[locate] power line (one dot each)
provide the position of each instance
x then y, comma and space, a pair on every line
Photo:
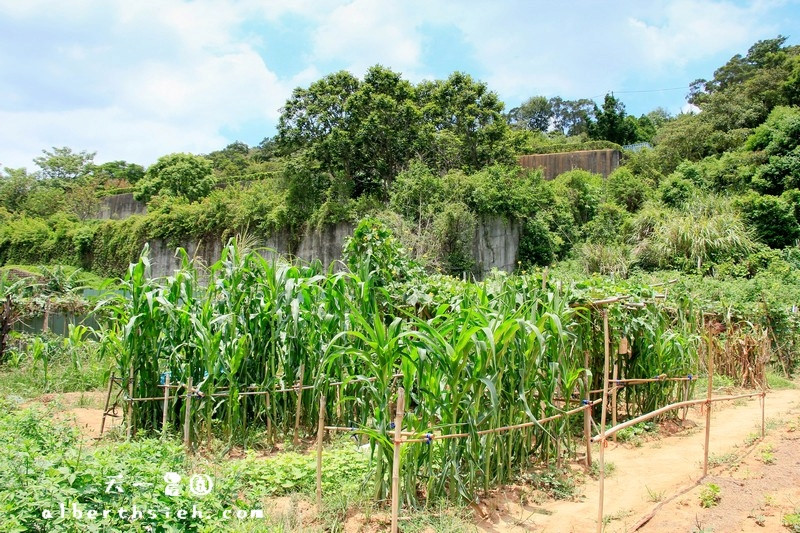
641, 91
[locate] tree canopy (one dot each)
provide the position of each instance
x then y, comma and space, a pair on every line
181, 175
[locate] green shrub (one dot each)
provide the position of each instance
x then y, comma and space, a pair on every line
627, 190
536, 243
676, 191
455, 229
771, 219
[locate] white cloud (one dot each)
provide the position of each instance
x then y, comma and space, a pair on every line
140, 79
691, 30
159, 77
365, 32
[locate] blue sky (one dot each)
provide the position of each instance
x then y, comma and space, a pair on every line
137, 79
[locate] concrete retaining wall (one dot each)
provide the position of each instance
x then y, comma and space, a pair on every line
495, 246
597, 161
120, 206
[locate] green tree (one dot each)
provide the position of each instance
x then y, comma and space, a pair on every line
533, 114
117, 173
744, 90
473, 114
368, 130
62, 165
610, 123
571, 117
15, 186
181, 175
233, 160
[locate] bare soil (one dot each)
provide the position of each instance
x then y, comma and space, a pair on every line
664, 478
84, 410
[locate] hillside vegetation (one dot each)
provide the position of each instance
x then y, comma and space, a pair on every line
715, 202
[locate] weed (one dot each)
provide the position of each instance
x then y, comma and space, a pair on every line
594, 470
715, 459
619, 515
751, 439
792, 521
634, 433
768, 455
655, 496
556, 484
710, 495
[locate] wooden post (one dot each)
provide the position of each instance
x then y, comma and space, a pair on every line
603, 423
339, 402
129, 429
299, 405
710, 367
187, 430
398, 424
763, 407
587, 413
108, 400
165, 414
614, 402
269, 418
320, 435
685, 397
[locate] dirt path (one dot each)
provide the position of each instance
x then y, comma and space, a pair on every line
84, 410
659, 469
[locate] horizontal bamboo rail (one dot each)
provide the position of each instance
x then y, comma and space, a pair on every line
428, 437
670, 407
295, 388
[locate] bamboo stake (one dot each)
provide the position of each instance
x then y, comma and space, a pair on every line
587, 414
320, 435
398, 423
603, 423
299, 405
187, 437
108, 400
614, 402
129, 429
708, 402
269, 418
685, 397
165, 414
339, 402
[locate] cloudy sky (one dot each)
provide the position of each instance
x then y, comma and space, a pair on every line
136, 79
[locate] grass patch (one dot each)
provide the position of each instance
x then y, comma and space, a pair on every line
634, 434
777, 382
44, 364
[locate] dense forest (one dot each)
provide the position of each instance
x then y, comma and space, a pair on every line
716, 197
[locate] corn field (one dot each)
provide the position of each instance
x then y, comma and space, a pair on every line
501, 352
